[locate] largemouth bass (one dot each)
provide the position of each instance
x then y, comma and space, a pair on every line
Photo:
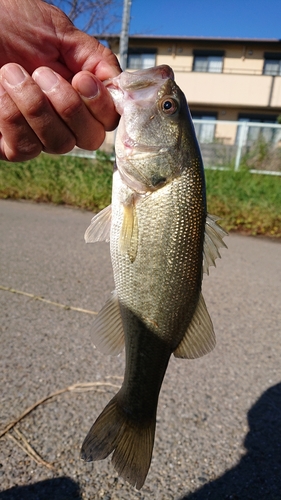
161, 240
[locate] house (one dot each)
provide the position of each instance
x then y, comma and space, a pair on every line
223, 79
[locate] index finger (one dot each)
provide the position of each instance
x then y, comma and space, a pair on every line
97, 99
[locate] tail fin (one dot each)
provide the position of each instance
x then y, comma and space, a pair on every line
131, 441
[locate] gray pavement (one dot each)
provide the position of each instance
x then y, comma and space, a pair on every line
219, 418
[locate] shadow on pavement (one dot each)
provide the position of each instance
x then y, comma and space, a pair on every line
258, 475
60, 488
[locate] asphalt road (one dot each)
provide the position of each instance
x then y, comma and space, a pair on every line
219, 418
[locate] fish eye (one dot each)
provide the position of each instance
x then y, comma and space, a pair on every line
169, 106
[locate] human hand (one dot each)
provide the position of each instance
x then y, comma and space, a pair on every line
44, 111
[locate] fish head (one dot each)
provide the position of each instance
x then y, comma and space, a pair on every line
154, 126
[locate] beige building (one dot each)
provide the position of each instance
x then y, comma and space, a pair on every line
223, 79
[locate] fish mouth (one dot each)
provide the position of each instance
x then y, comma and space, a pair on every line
136, 149
128, 84
140, 88
131, 80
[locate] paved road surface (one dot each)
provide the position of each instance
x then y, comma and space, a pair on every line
219, 417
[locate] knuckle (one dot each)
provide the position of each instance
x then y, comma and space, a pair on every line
21, 142
29, 148
93, 142
61, 146
74, 107
67, 146
10, 115
37, 108
24, 151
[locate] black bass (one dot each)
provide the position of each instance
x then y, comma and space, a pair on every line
161, 240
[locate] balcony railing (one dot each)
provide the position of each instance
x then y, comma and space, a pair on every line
226, 70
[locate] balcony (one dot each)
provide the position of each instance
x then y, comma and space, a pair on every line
228, 89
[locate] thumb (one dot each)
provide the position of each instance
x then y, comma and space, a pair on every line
84, 52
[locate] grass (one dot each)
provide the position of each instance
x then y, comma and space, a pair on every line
59, 179
246, 202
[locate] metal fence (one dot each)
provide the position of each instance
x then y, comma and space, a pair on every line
237, 144
233, 145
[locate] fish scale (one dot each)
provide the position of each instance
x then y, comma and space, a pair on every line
173, 273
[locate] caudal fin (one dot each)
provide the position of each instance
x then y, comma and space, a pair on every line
131, 441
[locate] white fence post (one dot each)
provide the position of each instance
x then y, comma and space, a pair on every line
241, 143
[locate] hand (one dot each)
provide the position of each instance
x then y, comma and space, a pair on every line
44, 111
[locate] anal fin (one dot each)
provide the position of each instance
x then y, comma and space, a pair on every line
199, 338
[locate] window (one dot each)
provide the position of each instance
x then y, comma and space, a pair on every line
209, 62
141, 59
205, 132
272, 67
272, 64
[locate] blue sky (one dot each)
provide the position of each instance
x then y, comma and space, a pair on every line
214, 18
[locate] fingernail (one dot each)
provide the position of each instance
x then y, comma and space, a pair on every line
87, 87
14, 74
45, 78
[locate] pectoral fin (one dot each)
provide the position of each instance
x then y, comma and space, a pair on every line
99, 229
199, 338
214, 235
108, 334
129, 231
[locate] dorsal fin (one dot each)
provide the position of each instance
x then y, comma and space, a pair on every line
199, 338
99, 229
213, 240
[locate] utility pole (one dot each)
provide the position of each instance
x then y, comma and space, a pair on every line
124, 35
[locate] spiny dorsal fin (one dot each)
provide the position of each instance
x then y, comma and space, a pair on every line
129, 231
214, 235
99, 229
199, 338
108, 334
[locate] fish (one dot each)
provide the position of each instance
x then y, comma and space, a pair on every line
161, 241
